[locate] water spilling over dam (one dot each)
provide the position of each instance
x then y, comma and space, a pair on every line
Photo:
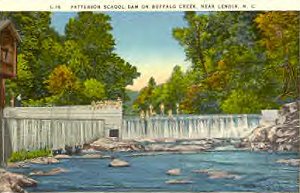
32, 134
32, 128
190, 126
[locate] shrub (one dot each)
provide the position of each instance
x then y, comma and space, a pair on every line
24, 155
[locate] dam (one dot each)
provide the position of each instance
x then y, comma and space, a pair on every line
31, 128
190, 126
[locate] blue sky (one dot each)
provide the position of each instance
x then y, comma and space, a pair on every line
145, 40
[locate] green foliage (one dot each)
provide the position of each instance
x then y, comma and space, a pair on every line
92, 34
94, 89
242, 62
86, 52
61, 80
169, 94
24, 155
280, 37
144, 99
244, 101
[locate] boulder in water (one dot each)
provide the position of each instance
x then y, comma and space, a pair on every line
179, 181
108, 144
44, 160
118, 163
174, 172
62, 156
18, 165
54, 171
14, 183
175, 148
186, 148
213, 174
92, 156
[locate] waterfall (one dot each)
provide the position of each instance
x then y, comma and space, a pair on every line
31, 134
190, 127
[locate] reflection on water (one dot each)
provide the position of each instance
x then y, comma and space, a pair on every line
258, 171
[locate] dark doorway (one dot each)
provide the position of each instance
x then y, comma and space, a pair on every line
114, 133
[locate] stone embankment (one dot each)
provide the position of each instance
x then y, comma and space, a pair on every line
281, 136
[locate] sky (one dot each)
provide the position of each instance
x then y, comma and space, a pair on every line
144, 39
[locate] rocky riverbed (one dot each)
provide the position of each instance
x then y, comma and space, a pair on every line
160, 145
281, 136
211, 170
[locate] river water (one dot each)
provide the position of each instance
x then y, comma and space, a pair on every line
258, 172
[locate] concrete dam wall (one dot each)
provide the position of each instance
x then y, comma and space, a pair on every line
30, 128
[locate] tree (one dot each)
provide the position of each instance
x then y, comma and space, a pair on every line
280, 36
231, 60
145, 97
87, 52
193, 38
92, 34
23, 83
39, 48
93, 89
62, 81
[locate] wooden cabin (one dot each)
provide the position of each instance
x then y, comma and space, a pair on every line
9, 38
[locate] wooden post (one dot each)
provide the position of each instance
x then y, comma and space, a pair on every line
2, 133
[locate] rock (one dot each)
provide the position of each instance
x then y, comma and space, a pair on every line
221, 174
200, 142
118, 163
62, 156
92, 156
175, 148
292, 162
212, 174
186, 148
14, 183
44, 160
54, 171
143, 140
90, 150
18, 165
179, 181
109, 144
283, 135
174, 172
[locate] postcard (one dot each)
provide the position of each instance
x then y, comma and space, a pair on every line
149, 96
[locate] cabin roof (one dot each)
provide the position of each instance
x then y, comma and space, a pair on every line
5, 23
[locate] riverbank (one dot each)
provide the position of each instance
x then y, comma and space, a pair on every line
281, 136
14, 183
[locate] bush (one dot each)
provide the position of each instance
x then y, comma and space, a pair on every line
24, 155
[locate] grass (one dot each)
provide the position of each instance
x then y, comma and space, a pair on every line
24, 155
